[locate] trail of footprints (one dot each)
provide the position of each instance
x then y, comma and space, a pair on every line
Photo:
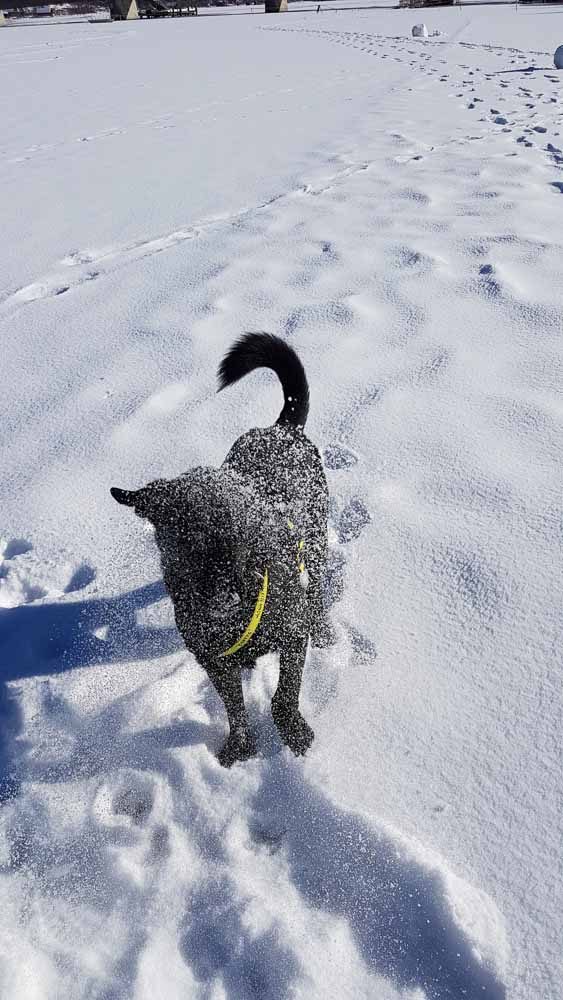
79, 267
523, 119
530, 129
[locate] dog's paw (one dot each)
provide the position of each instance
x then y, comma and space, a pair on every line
239, 745
294, 731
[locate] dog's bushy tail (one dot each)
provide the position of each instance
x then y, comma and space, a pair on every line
264, 350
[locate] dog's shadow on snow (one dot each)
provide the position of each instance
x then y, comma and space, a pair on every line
396, 907
49, 638
104, 744
46, 638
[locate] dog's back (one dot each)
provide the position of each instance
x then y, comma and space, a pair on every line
283, 467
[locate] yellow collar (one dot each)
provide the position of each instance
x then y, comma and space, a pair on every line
254, 621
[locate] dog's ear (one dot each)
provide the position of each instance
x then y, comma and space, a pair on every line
146, 502
130, 498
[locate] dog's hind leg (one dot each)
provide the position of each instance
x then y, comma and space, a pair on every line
294, 731
322, 632
240, 743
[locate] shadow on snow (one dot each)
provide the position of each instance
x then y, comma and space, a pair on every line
396, 907
50, 638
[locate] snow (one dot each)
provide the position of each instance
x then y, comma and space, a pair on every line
394, 210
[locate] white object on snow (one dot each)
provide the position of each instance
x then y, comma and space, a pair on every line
558, 57
419, 31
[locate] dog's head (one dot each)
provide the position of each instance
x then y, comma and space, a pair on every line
160, 502
199, 543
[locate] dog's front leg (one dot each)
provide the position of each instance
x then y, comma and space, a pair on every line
240, 743
294, 731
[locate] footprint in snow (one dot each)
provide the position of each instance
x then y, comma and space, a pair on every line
363, 649
21, 576
352, 520
15, 547
328, 250
81, 578
133, 802
127, 798
337, 456
488, 282
77, 257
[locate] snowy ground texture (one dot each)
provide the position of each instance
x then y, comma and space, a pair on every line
394, 208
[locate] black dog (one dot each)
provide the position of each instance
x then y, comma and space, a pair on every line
243, 550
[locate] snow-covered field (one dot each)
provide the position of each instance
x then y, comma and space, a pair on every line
394, 208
